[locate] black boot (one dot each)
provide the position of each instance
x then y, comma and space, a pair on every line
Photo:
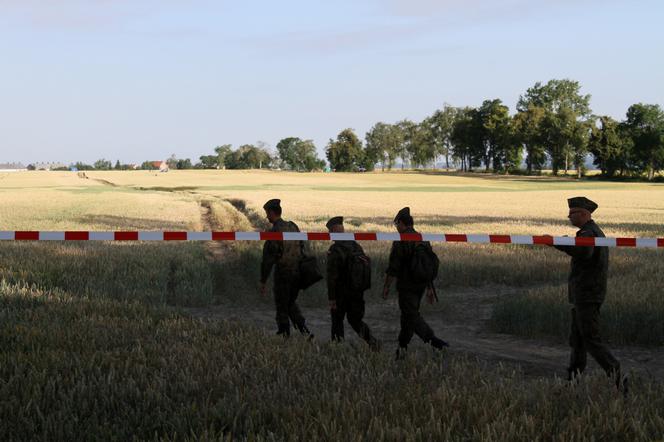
302, 328
283, 330
438, 343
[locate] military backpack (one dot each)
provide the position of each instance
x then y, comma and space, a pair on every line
359, 270
424, 263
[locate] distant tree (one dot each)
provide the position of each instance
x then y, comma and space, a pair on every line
172, 161
208, 162
223, 152
248, 156
441, 125
407, 129
118, 166
183, 164
527, 130
496, 145
345, 153
610, 146
298, 154
564, 106
421, 145
31, 167
102, 165
82, 166
382, 144
466, 137
645, 125
146, 165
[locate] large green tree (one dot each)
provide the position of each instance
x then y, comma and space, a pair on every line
645, 123
496, 145
298, 154
527, 129
467, 140
383, 142
223, 152
441, 125
564, 106
610, 147
345, 153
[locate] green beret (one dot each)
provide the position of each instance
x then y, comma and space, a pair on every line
403, 213
272, 204
581, 202
335, 221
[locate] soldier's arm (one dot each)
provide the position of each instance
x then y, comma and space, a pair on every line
270, 256
333, 271
392, 268
396, 257
583, 252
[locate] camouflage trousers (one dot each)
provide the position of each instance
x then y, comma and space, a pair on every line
585, 338
286, 291
350, 306
411, 320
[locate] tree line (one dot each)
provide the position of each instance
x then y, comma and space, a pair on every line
553, 126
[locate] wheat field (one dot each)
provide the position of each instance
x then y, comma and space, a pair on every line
98, 340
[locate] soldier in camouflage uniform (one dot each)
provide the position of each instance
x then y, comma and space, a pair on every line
285, 257
344, 300
410, 291
586, 292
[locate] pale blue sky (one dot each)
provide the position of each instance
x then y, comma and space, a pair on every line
141, 79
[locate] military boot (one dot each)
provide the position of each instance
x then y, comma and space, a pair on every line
438, 343
302, 328
283, 330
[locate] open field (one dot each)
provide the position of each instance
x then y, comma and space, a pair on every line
169, 340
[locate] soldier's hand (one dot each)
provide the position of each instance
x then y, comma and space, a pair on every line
333, 305
263, 289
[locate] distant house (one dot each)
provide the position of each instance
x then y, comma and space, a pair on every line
12, 167
162, 166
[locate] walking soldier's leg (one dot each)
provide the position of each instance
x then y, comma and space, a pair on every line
588, 322
577, 358
411, 320
355, 315
281, 298
294, 312
337, 315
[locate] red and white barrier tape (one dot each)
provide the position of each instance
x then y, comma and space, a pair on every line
313, 236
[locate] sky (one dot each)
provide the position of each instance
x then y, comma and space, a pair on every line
138, 80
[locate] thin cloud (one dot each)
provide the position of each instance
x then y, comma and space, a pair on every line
86, 13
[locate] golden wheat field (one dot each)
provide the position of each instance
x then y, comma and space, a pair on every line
163, 341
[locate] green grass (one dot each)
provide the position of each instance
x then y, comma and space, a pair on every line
632, 314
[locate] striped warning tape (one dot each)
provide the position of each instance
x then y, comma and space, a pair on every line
324, 236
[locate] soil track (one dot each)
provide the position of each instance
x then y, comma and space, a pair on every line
467, 334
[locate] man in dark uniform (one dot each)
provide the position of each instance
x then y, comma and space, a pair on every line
345, 301
586, 292
410, 291
285, 256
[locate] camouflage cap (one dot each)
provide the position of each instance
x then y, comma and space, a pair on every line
403, 213
581, 202
272, 204
334, 221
